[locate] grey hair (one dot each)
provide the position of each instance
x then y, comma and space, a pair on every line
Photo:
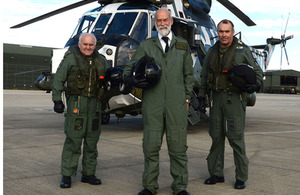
163, 8
90, 34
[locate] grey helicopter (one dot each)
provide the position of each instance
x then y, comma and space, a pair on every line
120, 25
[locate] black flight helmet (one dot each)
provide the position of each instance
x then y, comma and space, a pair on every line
241, 75
113, 78
146, 73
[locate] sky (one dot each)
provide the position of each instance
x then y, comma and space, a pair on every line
270, 17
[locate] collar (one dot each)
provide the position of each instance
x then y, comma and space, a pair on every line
170, 36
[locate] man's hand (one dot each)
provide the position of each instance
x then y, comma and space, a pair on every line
132, 81
59, 107
250, 88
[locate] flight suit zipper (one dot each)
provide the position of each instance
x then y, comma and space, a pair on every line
219, 71
166, 82
90, 79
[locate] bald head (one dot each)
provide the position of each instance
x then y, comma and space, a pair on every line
87, 43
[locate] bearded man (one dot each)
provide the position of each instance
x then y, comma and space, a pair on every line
165, 104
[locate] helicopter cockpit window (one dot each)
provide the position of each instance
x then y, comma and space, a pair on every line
140, 30
121, 24
85, 24
101, 23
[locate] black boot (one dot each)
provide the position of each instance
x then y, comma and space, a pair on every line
214, 179
183, 192
239, 184
65, 182
91, 179
145, 192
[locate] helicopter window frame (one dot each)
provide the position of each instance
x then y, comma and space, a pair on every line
80, 27
153, 31
151, 23
90, 22
110, 23
138, 12
133, 29
106, 24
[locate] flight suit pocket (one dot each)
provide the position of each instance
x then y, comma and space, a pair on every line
152, 140
75, 125
95, 124
233, 128
94, 127
177, 139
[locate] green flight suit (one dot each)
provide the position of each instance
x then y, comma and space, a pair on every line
164, 108
227, 106
83, 117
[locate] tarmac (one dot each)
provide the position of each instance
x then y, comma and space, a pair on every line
33, 139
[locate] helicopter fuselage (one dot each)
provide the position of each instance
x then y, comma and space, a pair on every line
120, 27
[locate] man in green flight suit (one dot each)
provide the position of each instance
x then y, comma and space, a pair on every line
227, 103
164, 106
82, 70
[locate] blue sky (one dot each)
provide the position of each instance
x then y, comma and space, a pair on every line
269, 15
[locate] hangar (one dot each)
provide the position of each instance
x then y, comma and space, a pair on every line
22, 64
282, 81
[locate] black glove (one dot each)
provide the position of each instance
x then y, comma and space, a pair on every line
128, 81
59, 106
127, 89
139, 83
250, 88
201, 104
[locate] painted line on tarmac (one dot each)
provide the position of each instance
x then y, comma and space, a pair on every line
270, 121
274, 132
43, 109
108, 140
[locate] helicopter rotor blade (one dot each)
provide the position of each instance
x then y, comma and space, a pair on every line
286, 23
55, 12
283, 43
287, 59
289, 37
236, 11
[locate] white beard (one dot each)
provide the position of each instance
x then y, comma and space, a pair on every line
161, 30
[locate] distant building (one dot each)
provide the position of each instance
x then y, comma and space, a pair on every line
22, 64
282, 81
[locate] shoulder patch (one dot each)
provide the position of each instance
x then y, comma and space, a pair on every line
239, 48
182, 46
254, 55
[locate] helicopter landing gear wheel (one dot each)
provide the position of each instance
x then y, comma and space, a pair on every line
105, 117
